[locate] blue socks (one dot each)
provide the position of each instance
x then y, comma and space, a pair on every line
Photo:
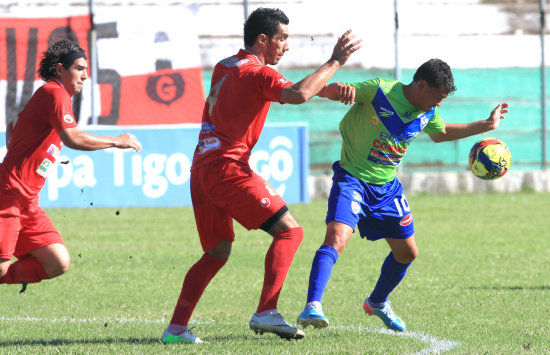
391, 275
321, 269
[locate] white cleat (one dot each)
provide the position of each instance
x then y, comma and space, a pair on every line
276, 324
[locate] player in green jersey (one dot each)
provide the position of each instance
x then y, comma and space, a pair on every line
377, 131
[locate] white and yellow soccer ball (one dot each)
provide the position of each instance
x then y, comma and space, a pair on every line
490, 158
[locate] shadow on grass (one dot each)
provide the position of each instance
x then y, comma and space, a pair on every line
60, 342
510, 288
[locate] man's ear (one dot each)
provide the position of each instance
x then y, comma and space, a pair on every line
421, 84
262, 40
59, 68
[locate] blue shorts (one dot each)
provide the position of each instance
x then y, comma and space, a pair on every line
379, 211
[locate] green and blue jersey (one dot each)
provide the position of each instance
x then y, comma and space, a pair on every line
378, 129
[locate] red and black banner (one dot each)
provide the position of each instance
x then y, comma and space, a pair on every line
141, 79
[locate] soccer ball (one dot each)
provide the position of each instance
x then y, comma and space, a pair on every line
490, 158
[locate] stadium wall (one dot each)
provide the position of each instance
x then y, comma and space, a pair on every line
493, 47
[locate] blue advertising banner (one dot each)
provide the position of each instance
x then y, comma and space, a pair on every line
159, 174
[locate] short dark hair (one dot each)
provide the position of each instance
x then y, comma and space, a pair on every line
263, 20
437, 74
64, 52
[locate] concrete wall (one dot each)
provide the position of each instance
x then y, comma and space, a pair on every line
466, 33
451, 183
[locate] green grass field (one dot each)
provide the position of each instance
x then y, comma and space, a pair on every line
480, 285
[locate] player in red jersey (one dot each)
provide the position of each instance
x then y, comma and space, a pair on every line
223, 186
34, 141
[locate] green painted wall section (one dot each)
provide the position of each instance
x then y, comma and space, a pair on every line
479, 91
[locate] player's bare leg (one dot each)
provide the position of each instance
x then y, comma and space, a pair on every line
40, 264
54, 258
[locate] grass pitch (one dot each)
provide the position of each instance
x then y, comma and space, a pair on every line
480, 284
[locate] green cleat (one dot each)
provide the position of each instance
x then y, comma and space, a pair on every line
186, 338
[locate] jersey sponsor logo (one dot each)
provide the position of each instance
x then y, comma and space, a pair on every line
356, 196
53, 151
282, 81
265, 202
383, 158
406, 220
386, 147
355, 207
68, 118
399, 129
206, 128
384, 112
44, 168
206, 144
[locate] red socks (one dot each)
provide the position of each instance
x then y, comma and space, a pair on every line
26, 269
277, 262
196, 280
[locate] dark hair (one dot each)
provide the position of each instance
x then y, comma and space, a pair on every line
64, 52
263, 20
437, 74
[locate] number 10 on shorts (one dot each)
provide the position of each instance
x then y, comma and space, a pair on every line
401, 205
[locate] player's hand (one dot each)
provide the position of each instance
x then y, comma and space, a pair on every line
345, 47
497, 114
339, 92
128, 140
346, 94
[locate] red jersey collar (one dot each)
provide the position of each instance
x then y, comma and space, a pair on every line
247, 53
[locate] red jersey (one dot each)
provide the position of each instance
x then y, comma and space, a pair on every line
241, 92
35, 142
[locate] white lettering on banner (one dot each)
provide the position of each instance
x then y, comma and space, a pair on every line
81, 172
152, 172
137, 176
155, 185
118, 165
176, 168
278, 165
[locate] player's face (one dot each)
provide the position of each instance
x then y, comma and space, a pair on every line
431, 97
277, 45
73, 78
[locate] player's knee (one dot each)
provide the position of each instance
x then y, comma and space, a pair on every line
222, 250
4, 266
407, 256
298, 235
58, 267
294, 235
57, 264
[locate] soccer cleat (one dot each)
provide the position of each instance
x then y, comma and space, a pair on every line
186, 338
276, 324
390, 319
313, 316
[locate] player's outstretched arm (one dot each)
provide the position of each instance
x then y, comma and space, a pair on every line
339, 92
74, 138
310, 86
454, 131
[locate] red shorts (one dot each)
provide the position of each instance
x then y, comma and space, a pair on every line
227, 190
23, 228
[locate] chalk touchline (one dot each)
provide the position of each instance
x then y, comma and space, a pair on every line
436, 345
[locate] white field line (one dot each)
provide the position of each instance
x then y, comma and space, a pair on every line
436, 345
